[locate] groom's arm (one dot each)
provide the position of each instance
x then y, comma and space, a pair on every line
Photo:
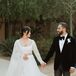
74, 51
73, 64
51, 52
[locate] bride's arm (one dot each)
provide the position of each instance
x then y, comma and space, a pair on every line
36, 52
16, 54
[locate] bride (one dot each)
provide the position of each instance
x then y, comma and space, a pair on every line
22, 61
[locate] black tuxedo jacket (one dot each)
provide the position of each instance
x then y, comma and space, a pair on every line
68, 56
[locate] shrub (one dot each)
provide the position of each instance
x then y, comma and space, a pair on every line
6, 46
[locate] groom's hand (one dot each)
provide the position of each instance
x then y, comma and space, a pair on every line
43, 65
72, 69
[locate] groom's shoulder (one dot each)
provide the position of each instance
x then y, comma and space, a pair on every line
72, 38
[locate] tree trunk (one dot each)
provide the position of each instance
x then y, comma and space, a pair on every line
71, 24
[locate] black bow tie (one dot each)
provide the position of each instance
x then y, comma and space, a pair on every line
60, 38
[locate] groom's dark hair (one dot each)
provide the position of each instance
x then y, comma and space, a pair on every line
65, 25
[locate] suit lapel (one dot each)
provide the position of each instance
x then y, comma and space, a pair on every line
58, 43
65, 42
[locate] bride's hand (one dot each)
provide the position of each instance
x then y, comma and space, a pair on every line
25, 56
72, 69
43, 65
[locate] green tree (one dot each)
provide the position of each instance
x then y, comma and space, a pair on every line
70, 9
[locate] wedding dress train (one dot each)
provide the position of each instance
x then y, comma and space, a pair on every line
20, 67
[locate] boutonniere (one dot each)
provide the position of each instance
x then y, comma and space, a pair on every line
68, 40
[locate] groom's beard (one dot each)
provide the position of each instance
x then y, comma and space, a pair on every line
60, 33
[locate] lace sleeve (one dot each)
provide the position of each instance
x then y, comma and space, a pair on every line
16, 53
36, 52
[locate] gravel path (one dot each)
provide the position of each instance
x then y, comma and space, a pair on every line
47, 70
3, 66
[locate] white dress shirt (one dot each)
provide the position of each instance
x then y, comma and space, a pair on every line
61, 42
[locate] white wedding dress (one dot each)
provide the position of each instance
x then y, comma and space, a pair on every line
20, 67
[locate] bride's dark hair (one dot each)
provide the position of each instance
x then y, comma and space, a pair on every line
26, 29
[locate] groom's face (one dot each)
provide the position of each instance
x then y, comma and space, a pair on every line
60, 30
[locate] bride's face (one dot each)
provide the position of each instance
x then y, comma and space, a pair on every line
27, 34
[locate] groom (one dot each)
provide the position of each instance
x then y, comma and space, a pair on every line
64, 47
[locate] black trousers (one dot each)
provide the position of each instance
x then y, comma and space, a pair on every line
60, 72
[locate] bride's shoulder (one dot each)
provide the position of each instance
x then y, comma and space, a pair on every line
33, 41
16, 41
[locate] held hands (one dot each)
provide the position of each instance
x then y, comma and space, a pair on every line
43, 65
72, 69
